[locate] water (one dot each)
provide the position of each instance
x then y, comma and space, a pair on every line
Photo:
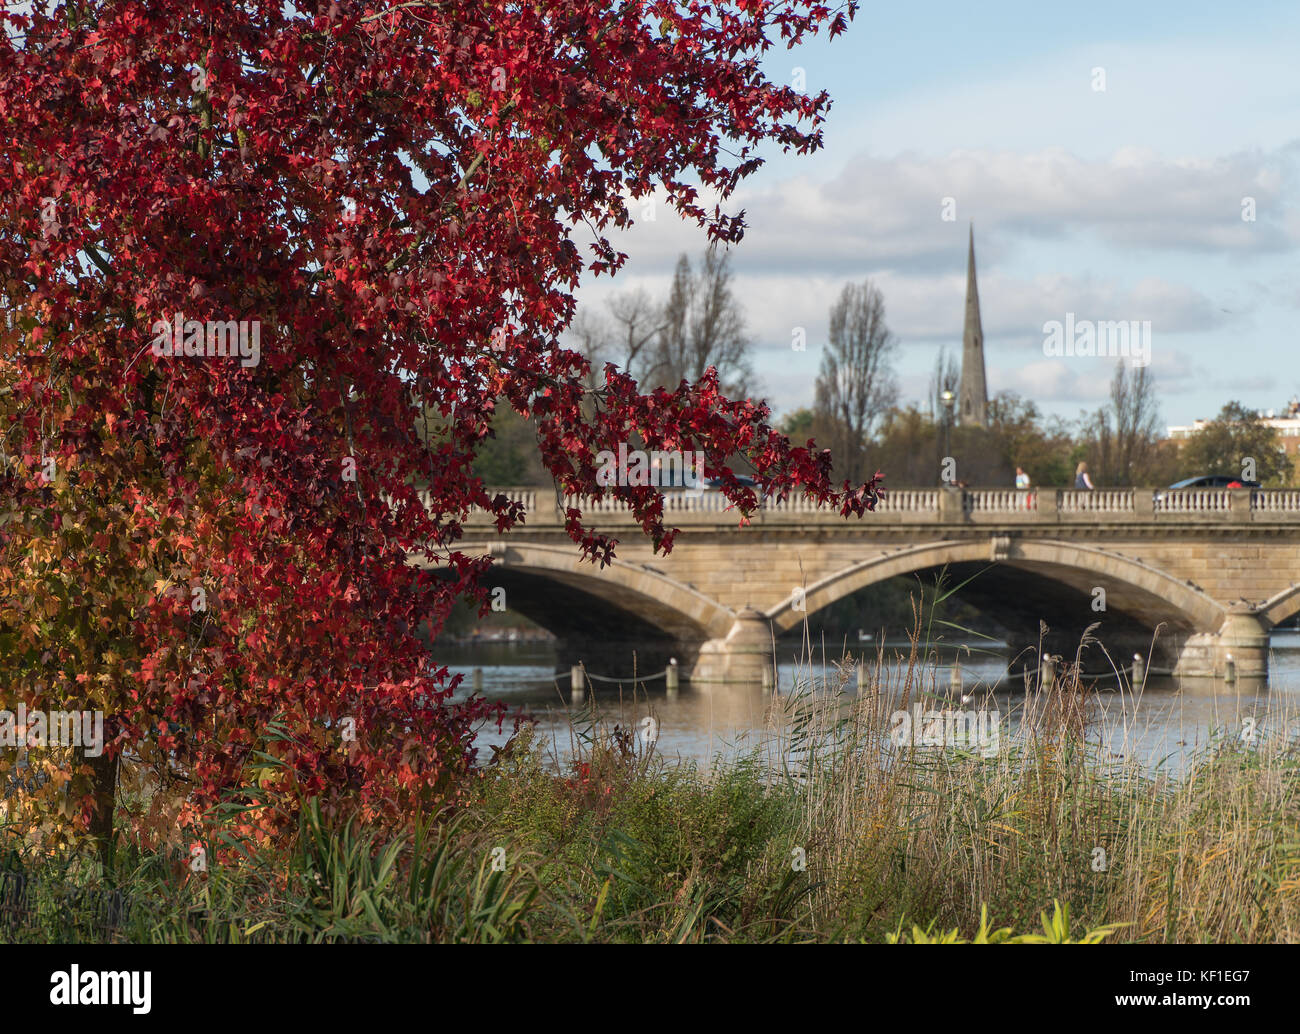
1162, 725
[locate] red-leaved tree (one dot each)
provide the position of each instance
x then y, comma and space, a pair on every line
336, 217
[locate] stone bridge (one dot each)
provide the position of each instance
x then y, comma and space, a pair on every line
1204, 573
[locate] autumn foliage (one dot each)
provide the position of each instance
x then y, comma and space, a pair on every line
403, 197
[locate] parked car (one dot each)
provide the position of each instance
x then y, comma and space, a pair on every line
715, 484
1207, 481
1215, 481
711, 485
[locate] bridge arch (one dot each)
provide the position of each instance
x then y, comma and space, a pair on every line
1286, 604
1132, 586
649, 597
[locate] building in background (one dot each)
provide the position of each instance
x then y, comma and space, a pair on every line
1287, 426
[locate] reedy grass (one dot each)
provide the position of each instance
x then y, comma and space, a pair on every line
823, 831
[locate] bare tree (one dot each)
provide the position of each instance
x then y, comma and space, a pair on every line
593, 335
622, 334
639, 321
1125, 433
702, 325
855, 385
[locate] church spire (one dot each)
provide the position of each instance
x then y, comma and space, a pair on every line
972, 396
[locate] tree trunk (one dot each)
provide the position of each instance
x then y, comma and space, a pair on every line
104, 794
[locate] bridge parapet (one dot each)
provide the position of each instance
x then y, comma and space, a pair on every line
1284, 500
998, 500
947, 505
1194, 500
1101, 500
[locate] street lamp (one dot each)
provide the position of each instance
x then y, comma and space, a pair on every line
948, 399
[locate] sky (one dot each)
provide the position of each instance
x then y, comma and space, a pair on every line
1122, 203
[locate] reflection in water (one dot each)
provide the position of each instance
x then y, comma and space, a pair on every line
1160, 723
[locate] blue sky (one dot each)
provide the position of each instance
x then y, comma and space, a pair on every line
1120, 204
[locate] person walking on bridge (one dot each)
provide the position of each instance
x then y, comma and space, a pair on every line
1022, 485
1081, 479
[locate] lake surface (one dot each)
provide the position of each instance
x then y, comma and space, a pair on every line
1161, 722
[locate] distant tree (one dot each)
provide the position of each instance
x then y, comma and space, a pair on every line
639, 321
593, 334
855, 386
1166, 464
906, 448
1015, 436
1225, 445
1123, 436
510, 455
798, 425
622, 335
701, 325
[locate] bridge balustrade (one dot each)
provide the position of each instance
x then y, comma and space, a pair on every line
999, 500
1098, 500
1283, 500
910, 500
1194, 500
792, 504
977, 504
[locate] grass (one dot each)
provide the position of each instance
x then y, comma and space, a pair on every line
825, 832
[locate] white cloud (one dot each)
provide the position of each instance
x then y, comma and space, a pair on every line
1070, 216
